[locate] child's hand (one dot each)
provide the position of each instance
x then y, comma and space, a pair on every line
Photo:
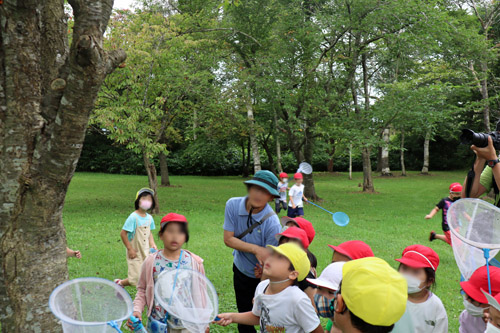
224, 319
129, 322
155, 247
132, 254
77, 254
257, 271
428, 216
293, 206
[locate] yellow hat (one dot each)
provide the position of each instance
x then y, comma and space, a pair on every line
374, 291
297, 257
144, 190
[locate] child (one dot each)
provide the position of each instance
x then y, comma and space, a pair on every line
371, 298
296, 194
472, 318
351, 250
424, 310
137, 237
327, 284
174, 234
282, 188
444, 204
279, 305
301, 223
493, 325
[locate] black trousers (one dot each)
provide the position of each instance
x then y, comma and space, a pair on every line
244, 289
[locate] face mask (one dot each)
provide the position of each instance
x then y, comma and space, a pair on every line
146, 204
473, 310
413, 284
285, 180
490, 328
323, 306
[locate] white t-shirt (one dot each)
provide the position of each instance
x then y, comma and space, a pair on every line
289, 311
282, 188
427, 317
296, 192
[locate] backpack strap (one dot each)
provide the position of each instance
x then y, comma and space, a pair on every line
256, 224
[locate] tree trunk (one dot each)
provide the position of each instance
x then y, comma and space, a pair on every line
195, 125
379, 160
384, 158
47, 91
331, 153
485, 96
152, 180
350, 162
278, 145
269, 154
425, 168
165, 179
253, 138
309, 189
367, 171
402, 150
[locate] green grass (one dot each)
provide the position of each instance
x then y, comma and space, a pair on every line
393, 218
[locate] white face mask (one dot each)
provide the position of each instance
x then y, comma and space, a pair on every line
473, 310
285, 180
490, 328
145, 204
413, 284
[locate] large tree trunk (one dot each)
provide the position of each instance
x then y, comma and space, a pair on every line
253, 138
47, 92
367, 171
309, 189
425, 168
152, 180
165, 178
384, 158
269, 154
278, 145
402, 151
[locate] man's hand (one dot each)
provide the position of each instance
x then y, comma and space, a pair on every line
257, 271
261, 253
486, 153
132, 254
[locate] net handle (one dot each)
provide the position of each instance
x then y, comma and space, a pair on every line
114, 324
487, 257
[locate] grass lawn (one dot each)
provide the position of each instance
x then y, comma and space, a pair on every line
98, 204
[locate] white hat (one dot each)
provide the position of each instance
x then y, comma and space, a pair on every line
492, 300
330, 277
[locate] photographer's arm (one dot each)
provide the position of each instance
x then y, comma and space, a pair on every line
482, 155
477, 189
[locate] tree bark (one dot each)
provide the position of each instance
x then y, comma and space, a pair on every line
278, 145
384, 158
165, 179
425, 168
253, 138
47, 91
367, 165
350, 162
402, 157
269, 154
309, 189
152, 180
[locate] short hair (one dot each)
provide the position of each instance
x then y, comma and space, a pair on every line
312, 259
143, 194
364, 327
184, 229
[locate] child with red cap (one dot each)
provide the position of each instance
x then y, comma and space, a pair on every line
472, 319
282, 188
351, 250
425, 312
296, 194
493, 324
174, 233
444, 205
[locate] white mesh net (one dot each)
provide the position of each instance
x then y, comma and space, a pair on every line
189, 296
305, 168
88, 304
474, 226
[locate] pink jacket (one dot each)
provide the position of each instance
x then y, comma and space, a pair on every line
145, 286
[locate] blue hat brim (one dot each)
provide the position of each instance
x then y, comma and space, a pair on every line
273, 191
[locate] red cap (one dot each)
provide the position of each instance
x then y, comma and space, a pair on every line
173, 217
283, 175
303, 224
354, 249
298, 175
479, 280
295, 233
455, 187
419, 256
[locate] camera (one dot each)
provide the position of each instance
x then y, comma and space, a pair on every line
469, 137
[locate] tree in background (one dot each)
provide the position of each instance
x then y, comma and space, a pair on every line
47, 91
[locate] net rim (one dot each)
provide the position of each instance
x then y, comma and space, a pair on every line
206, 280
462, 238
68, 320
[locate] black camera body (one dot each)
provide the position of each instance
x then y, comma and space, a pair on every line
480, 140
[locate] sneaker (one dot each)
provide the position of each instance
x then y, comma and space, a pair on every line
432, 236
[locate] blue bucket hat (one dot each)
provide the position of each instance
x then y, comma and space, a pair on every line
267, 180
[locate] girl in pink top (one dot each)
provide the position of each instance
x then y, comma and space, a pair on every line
174, 233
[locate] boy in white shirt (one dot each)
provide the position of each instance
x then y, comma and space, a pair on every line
296, 194
279, 304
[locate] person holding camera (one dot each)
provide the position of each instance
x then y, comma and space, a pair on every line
484, 178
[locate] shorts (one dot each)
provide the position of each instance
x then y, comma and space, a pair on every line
447, 234
298, 211
280, 205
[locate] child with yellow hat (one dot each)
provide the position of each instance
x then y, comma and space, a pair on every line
371, 298
279, 304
